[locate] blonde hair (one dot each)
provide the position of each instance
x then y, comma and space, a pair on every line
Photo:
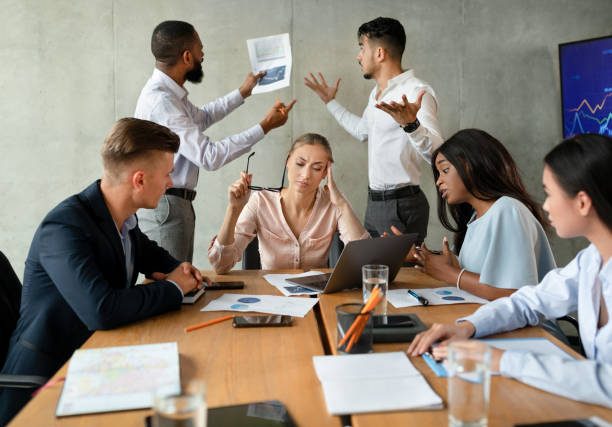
312, 139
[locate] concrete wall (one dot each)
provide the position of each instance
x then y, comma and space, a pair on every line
70, 69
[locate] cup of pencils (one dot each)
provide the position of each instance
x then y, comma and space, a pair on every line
354, 323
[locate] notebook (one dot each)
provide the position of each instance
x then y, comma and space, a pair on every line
373, 382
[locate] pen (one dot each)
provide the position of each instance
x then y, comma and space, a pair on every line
208, 323
419, 298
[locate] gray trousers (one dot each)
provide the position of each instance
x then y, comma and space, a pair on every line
172, 225
409, 214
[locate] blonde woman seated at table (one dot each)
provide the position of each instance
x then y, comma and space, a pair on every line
498, 227
294, 225
578, 189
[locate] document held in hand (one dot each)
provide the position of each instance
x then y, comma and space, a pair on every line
271, 54
373, 382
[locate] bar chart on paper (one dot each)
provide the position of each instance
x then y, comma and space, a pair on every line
586, 86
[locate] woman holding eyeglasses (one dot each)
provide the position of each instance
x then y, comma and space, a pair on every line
294, 225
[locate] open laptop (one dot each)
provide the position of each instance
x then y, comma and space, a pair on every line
389, 251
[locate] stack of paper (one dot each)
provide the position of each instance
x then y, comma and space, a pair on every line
119, 378
373, 383
437, 296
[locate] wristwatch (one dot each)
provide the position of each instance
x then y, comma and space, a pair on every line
411, 127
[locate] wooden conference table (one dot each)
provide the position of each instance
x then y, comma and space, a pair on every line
252, 364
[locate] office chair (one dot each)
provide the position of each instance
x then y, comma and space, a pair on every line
252, 261
10, 300
574, 340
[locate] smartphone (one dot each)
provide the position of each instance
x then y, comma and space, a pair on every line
219, 286
261, 321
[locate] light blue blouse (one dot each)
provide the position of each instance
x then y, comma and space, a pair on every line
581, 285
507, 246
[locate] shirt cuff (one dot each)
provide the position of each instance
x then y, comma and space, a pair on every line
256, 134
177, 287
478, 332
333, 106
235, 97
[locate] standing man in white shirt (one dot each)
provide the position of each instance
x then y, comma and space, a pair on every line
178, 54
399, 123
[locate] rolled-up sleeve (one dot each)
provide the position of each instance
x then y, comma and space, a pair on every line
352, 123
584, 380
195, 145
224, 257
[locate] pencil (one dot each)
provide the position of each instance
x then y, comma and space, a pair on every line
208, 323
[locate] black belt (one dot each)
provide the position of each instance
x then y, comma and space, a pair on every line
183, 193
396, 193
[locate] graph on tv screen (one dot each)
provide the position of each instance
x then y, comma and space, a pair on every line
586, 86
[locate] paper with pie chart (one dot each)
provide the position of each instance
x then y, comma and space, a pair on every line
270, 304
437, 296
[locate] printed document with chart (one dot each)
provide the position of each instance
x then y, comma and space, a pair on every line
119, 378
271, 54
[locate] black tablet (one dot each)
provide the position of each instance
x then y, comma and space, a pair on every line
269, 413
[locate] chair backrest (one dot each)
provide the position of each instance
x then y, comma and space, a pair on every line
252, 261
250, 257
10, 300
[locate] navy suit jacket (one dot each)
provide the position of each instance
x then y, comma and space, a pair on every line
75, 283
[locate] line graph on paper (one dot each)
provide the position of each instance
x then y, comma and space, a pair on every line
586, 86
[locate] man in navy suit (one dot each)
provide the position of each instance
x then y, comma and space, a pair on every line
85, 258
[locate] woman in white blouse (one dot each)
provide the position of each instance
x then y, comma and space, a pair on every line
579, 204
294, 225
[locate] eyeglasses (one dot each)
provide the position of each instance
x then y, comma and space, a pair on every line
258, 188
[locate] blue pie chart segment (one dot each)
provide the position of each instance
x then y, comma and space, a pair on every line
239, 307
453, 298
249, 300
444, 292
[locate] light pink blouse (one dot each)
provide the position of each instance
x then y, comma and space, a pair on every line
278, 247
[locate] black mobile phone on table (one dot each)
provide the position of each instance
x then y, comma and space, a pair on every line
220, 286
261, 321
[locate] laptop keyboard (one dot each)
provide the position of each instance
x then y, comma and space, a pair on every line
317, 282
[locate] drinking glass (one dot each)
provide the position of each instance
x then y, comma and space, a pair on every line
186, 409
469, 376
376, 275
346, 314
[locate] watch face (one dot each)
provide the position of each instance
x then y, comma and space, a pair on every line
411, 127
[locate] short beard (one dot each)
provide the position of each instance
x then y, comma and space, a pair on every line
367, 76
195, 75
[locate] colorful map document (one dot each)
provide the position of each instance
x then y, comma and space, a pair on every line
119, 378
271, 54
270, 304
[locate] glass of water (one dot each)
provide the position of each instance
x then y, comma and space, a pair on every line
186, 409
376, 275
469, 376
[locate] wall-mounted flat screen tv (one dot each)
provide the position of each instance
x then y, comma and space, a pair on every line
586, 86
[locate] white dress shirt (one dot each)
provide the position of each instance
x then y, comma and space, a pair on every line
163, 101
581, 285
394, 155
